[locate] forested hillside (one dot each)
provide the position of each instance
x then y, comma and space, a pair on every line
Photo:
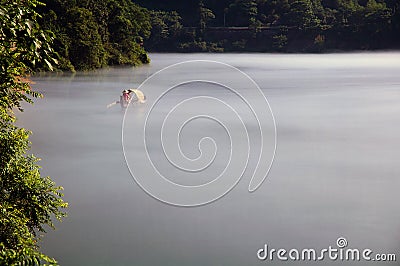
91, 33
274, 25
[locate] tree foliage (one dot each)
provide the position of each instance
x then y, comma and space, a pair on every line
342, 24
86, 49
301, 14
205, 15
242, 13
93, 33
28, 201
166, 30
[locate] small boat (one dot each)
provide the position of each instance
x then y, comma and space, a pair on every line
129, 96
134, 96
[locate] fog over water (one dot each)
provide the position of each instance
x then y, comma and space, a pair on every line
335, 174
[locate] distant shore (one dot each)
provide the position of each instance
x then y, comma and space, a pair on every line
280, 39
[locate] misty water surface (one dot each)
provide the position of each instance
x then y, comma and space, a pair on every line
336, 171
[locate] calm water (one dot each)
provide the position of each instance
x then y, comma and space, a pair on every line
336, 171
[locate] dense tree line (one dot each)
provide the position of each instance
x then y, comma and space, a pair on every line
275, 25
28, 201
91, 33
285, 12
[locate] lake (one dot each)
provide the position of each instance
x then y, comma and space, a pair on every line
335, 172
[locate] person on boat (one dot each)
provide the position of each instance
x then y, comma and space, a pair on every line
126, 95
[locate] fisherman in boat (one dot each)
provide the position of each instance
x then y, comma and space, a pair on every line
126, 95
125, 98
129, 96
